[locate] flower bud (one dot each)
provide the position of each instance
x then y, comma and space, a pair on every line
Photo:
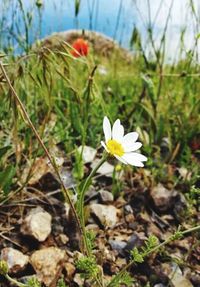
3, 267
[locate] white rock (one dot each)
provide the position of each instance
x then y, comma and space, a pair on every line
15, 259
106, 168
107, 214
67, 177
177, 278
162, 197
106, 196
41, 167
185, 173
37, 224
175, 275
78, 279
47, 263
88, 153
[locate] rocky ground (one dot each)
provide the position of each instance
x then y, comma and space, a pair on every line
38, 235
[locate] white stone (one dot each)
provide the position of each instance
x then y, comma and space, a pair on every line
88, 153
37, 224
162, 197
106, 196
107, 214
47, 263
177, 278
106, 168
185, 173
78, 279
15, 259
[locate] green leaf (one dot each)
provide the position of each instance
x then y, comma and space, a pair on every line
121, 280
126, 279
33, 282
77, 7
160, 128
135, 38
198, 36
6, 177
136, 255
78, 169
88, 266
76, 118
4, 150
90, 237
148, 83
151, 243
149, 113
61, 283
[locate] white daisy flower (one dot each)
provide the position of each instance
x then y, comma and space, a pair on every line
122, 146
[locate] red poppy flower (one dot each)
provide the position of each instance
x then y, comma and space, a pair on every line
80, 48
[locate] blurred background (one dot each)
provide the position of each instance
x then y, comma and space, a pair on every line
175, 22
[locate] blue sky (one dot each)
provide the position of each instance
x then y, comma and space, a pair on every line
58, 15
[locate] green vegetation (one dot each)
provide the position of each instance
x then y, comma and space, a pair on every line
66, 99
66, 106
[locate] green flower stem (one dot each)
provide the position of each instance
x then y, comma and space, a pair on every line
196, 228
15, 281
173, 237
81, 200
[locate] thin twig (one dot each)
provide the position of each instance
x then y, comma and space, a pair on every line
10, 240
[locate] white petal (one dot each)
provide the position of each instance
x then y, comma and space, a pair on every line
107, 129
138, 156
132, 147
117, 131
120, 159
103, 145
130, 138
134, 158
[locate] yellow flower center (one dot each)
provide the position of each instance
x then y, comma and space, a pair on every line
115, 148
